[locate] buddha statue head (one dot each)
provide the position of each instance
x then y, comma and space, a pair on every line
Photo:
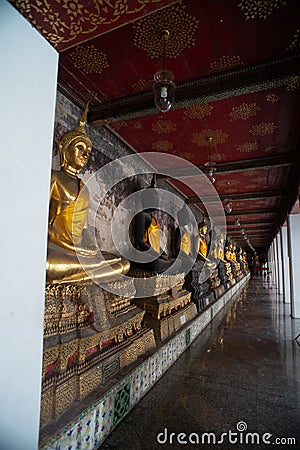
183, 217
150, 197
202, 227
75, 147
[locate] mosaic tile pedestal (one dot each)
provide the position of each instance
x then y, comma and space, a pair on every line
90, 428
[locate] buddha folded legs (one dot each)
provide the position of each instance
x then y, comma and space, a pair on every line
64, 266
72, 256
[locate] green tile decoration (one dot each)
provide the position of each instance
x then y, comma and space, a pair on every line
188, 336
122, 403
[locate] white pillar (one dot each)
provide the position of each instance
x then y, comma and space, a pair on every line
28, 78
294, 251
279, 264
276, 264
272, 265
286, 266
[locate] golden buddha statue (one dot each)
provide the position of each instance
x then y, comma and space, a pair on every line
233, 252
148, 236
203, 247
72, 257
220, 253
219, 250
228, 252
184, 244
245, 261
202, 229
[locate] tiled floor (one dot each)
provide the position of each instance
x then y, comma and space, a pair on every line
242, 371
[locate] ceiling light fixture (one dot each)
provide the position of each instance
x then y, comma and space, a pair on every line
228, 206
163, 87
210, 166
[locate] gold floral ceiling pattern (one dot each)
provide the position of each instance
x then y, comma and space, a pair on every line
295, 43
247, 147
225, 63
142, 86
163, 127
79, 17
117, 125
177, 21
274, 150
198, 111
138, 125
209, 138
262, 129
292, 83
218, 157
260, 9
272, 98
89, 59
228, 184
244, 111
162, 146
188, 156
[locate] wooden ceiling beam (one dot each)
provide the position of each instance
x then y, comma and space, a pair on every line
269, 162
255, 222
252, 212
260, 77
237, 197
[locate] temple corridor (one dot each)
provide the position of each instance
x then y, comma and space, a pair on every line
244, 367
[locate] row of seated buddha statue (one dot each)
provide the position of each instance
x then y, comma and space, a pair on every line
90, 334
68, 236
89, 330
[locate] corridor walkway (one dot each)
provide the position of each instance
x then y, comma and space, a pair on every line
242, 372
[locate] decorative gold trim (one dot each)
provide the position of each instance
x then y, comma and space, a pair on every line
80, 18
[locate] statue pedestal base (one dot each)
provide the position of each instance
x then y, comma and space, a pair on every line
166, 312
89, 335
218, 291
198, 283
164, 327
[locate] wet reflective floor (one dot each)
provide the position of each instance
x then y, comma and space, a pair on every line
239, 381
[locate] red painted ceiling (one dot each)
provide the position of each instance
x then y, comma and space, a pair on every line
236, 64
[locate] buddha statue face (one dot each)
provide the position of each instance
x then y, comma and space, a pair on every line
202, 229
76, 154
220, 242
